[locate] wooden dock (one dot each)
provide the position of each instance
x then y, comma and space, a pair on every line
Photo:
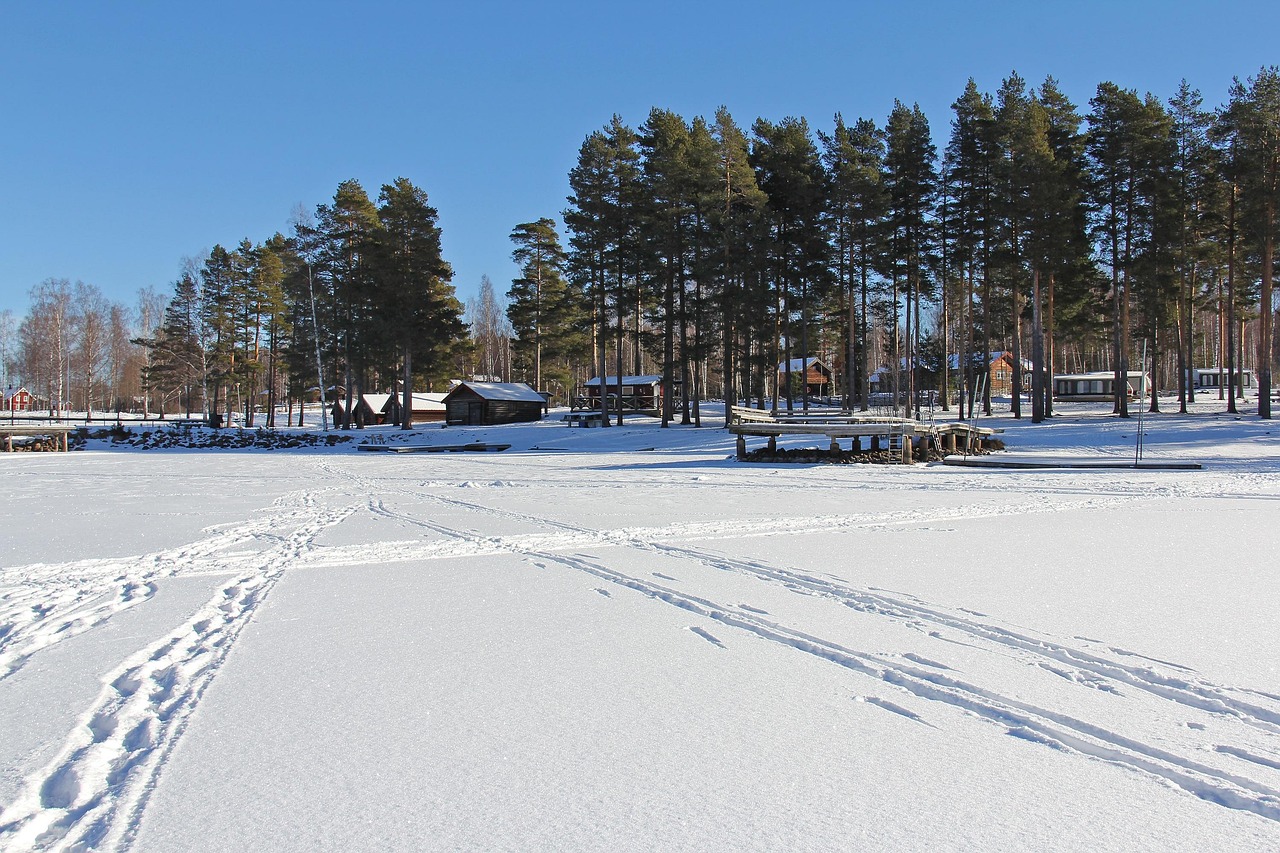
904, 435
57, 432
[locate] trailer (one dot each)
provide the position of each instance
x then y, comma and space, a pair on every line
1097, 386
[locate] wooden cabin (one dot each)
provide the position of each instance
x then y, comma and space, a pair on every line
428, 407
641, 395
488, 403
999, 372
812, 371
369, 410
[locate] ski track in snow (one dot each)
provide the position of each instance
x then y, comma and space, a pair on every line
1144, 685
93, 794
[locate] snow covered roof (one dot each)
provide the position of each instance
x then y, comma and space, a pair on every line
647, 379
799, 364
517, 391
429, 401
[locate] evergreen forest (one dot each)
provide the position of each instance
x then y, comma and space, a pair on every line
1124, 233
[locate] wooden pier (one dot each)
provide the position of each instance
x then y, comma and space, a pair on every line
58, 433
904, 435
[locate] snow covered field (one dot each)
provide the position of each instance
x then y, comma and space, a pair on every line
624, 639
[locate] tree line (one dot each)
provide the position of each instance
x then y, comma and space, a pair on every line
713, 255
1066, 239
357, 298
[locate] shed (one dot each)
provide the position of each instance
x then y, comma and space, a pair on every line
428, 406
817, 375
369, 410
485, 403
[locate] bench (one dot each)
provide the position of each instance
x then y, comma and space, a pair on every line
584, 419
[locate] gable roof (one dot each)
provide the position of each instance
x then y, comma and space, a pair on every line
645, 379
975, 358
510, 391
799, 364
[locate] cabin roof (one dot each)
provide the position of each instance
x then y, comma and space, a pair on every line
647, 379
509, 391
1097, 374
426, 400
799, 364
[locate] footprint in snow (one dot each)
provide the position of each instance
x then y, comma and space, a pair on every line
664, 577
604, 592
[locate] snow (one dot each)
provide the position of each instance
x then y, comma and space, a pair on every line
504, 391
624, 639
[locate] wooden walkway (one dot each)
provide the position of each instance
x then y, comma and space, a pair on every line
56, 432
882, 433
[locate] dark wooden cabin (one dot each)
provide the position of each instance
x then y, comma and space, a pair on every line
486, 403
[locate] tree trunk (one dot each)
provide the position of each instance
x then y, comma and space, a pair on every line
1037, 351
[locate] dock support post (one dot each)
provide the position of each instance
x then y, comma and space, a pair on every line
875, 443
742, 446
906, 449
835, 445
773, 444
949, 442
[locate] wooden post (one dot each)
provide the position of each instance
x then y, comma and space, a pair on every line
835, 445
742, 446
949, 442
773, 444
875, 443
906, 450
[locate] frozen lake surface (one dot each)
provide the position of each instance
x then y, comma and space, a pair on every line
624, 639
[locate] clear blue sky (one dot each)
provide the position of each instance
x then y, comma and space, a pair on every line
134, 134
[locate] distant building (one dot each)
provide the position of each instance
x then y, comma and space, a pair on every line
999, 371
485, 403
634, 394
18, 400
816, 375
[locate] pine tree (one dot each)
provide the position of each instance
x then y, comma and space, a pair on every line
667, 223
1113, 196
604, 251
1197, 190
537, 301
910, 178
1065, 239
345, 232
739, 203
789, 171
854, 158
969, 168
416, 310
1253, 117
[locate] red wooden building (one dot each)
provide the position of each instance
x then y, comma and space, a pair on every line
18, 400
